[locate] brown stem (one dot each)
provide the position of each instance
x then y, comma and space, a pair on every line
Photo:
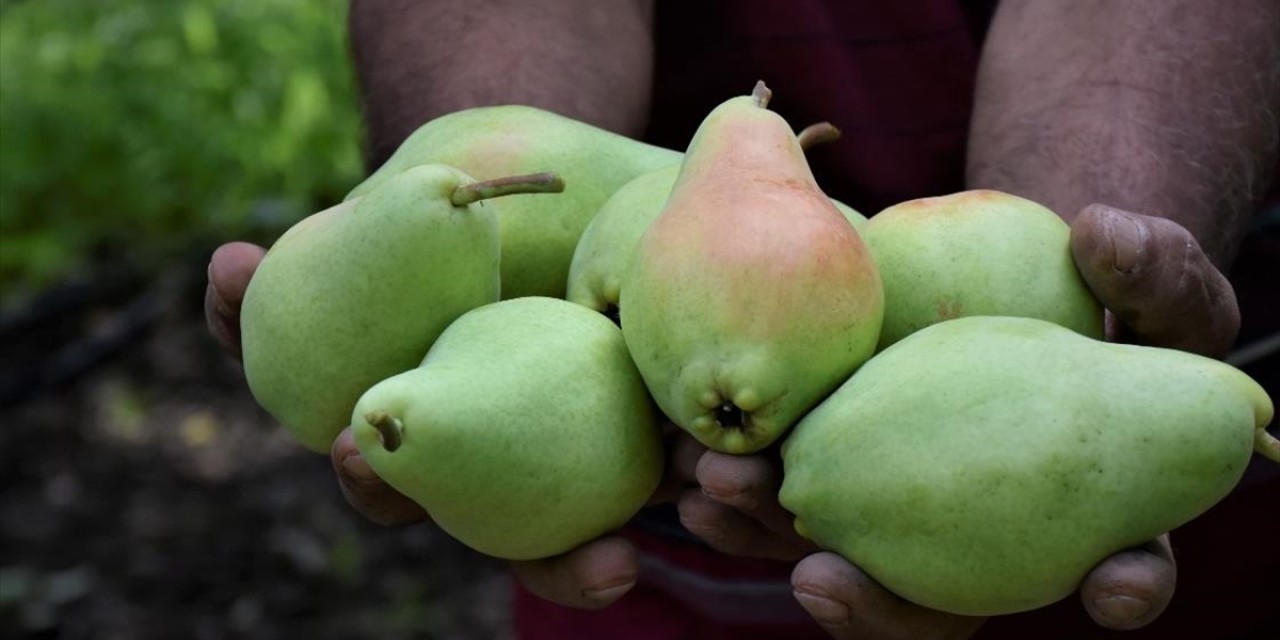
388, 428
816, 134
761, 94
546, 182
1266, 444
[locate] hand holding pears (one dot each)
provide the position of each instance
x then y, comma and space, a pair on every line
968, 447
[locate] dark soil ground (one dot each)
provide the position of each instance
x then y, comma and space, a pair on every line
146, 496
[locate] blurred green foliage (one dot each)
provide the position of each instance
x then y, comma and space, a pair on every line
146, 126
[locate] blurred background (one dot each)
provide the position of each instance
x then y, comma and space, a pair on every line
144, 494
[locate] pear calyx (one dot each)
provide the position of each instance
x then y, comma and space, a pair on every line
545, 182
388, 428
816, 134
761, 94
729, 416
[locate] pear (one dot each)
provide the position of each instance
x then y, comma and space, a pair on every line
977, 253
538, 234
595, 274
526, 432
750, 298
358, 292
985, 465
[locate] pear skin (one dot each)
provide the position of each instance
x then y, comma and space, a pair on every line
526, 432
977, 253
600, 260
984, 465
358, 292
538, 234
595, 274
751, 297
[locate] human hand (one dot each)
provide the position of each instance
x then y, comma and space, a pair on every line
230, 269
1159, 287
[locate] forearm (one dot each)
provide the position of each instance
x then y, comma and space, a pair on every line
416, 60
1160, 107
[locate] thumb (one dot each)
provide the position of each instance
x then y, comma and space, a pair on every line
849, 605
1132, 588
230, 270
590, 577
1156, 281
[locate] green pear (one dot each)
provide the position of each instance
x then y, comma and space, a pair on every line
595, 274
358, 292
526, 432
985, 465
750, 297
538, 234
977, 253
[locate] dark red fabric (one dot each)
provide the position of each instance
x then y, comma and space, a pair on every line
897, 77
650, 612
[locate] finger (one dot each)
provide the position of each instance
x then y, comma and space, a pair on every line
732, 532
1131, 588
589, 577
749, 484
848, 604
365, 491
230, 270
1152, 274
683, 452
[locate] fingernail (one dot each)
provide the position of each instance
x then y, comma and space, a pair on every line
208, 273
358, 468
823, 609
1122, 608
608, 594
723, 497
1126, 241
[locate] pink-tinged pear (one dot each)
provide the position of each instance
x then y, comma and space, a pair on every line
603, 252
977, 253
750, 297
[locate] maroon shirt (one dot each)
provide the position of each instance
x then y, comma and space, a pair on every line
898, 78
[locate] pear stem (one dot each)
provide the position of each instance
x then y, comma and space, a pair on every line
388, 428
761, 94
546, 182
1266, 444
816, 134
